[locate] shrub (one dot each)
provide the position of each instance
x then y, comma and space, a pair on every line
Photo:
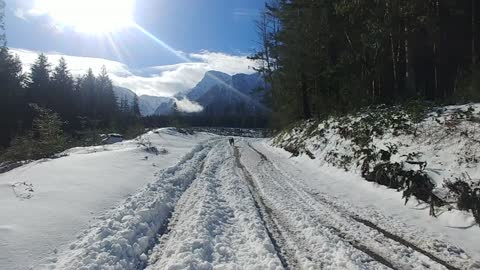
46, 138
468, 198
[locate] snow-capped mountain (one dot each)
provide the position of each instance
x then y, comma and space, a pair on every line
210, 79
150, 104
124, 93
165, 108
220, 93
217, 93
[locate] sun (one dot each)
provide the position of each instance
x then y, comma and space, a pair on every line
89, 16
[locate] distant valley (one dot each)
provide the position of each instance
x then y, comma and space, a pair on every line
216, 94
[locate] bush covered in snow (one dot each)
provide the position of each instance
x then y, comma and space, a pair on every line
431, 153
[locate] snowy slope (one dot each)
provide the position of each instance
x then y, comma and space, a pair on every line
211, 79
150, 104
246, 206
123, 93
445, 141
165, 108
46, 204
381, 206
220, 93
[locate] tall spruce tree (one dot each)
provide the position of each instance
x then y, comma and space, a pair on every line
89, 95
136, 107
107, 100
11, 94
38, 85
62, 91
323, 56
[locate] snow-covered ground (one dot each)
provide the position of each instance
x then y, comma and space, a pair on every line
348, 192
46, 204
210, 205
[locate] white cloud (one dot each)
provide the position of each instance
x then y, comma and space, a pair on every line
155, 81
230, 64
20, 13
245, 12
188, 106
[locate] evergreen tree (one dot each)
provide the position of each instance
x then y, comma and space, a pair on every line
38, 85
124, 107
11, 95
48, 132
107, 100
324, 57
88, 95
11, 90
3, 37
136, 107
63, 90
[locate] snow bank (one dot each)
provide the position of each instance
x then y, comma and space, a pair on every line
447, 139
46, 204
124, 235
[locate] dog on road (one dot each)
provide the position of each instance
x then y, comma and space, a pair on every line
231, 141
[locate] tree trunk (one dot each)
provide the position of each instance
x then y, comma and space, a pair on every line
409, 70
474, 33
307, 114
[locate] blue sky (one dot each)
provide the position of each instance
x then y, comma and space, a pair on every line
216, 33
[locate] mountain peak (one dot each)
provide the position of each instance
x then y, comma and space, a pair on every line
210, 79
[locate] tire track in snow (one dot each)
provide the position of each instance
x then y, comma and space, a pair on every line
386, 233
215, 224
291, 232
458, 259
345, 231
274, 233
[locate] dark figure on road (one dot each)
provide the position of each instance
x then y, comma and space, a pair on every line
231, 141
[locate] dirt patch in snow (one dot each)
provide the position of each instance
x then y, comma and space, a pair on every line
23, 190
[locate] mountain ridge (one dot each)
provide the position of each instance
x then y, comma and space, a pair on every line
217, 93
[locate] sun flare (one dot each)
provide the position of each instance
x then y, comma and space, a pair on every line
89, 16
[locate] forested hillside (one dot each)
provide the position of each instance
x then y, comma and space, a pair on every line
45, 109
326, 57
367, 83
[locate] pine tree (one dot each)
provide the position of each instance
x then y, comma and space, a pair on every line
11, 95
3, 37
11, 90
136, 107
48, 132
63, 90
326, 57
124, 107
107, 99
38, 85
88, 94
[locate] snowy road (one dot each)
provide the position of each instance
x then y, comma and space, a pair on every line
224, 207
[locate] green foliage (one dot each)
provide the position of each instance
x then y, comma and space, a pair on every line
330, 57
469, 87
48, 132
45, 139
22, 148
416, 110
468, 198
134, 131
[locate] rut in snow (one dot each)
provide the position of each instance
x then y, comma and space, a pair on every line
330, 223
457, 258
274, 233
215, 224
388, 234
311, 254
